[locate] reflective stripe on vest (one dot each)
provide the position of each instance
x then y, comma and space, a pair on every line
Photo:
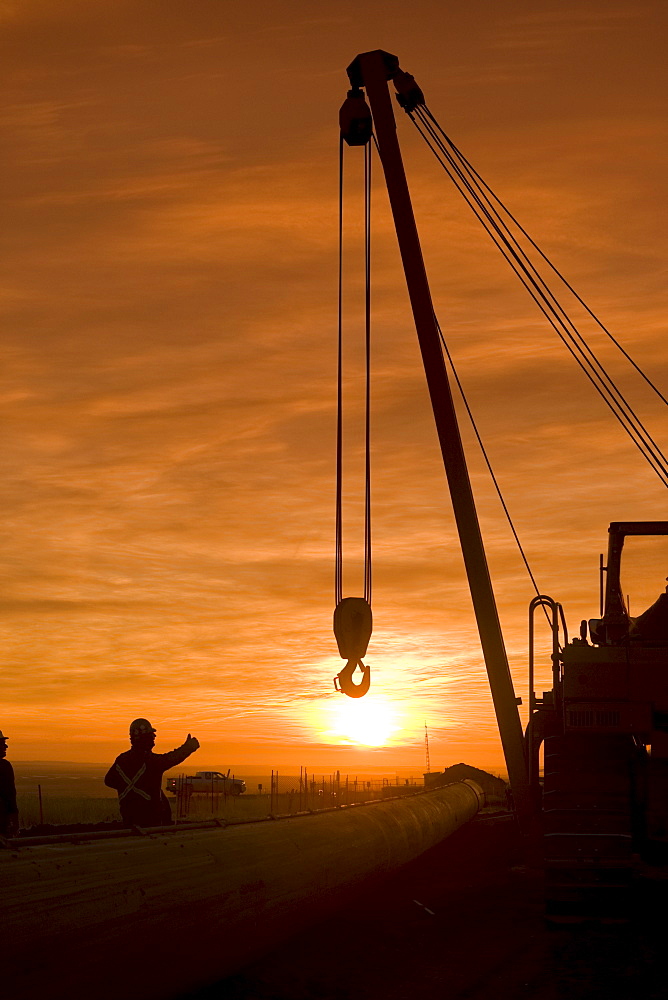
131, 782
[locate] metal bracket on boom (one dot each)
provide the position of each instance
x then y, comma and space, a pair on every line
409, 94
356, 74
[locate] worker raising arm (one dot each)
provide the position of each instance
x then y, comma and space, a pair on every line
137, 776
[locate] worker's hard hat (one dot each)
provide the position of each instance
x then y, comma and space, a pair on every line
140, 726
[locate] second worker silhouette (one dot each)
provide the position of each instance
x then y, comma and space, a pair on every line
137, 776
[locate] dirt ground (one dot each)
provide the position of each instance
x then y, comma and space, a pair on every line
463, 922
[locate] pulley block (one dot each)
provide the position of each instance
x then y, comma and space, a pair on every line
409, 94
353, 624
355, 119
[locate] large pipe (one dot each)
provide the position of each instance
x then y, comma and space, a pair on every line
159, 915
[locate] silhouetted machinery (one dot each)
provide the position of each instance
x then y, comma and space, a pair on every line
604, 724
605, 730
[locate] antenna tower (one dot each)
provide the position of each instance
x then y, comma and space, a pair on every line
426, 747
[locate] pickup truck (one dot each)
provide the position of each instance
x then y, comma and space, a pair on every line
206, 782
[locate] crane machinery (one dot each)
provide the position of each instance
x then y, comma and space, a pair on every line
602, 806
604, 725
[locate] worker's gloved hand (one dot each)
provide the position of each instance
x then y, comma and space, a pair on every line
191, 744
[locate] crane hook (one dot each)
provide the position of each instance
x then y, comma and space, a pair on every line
346, 684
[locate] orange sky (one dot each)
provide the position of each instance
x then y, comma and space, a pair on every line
169, 324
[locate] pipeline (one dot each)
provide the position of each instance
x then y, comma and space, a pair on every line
162, 914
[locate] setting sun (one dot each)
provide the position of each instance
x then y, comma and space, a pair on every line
368, 721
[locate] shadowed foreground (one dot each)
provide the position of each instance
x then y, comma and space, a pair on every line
205, 901
485, 938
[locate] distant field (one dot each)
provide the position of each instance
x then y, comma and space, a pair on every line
60, 809
71, 809
65, 778
76, 793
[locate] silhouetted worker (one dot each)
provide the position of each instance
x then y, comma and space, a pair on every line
9, 814
137, 776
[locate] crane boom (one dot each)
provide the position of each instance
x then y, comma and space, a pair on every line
372, 70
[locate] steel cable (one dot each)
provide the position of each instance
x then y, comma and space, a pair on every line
485, 455
338, 558
542, 295
338, 573
544, 256
487, 460
367, 343
555, 313
551, 309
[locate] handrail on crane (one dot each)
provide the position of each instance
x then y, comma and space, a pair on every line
535, 732
558, 619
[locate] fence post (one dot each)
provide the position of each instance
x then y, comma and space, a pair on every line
179, 797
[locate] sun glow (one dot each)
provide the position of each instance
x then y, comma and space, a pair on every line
366, 721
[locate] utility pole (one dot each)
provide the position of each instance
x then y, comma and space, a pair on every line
372, 70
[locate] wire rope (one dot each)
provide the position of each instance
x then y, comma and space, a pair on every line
338, 573
553, 311
483, 450
485, 456
500, 233
609, 391
338, 559
367, 344
544, 256
540, 290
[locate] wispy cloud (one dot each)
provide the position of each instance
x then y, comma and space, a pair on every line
169, 368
